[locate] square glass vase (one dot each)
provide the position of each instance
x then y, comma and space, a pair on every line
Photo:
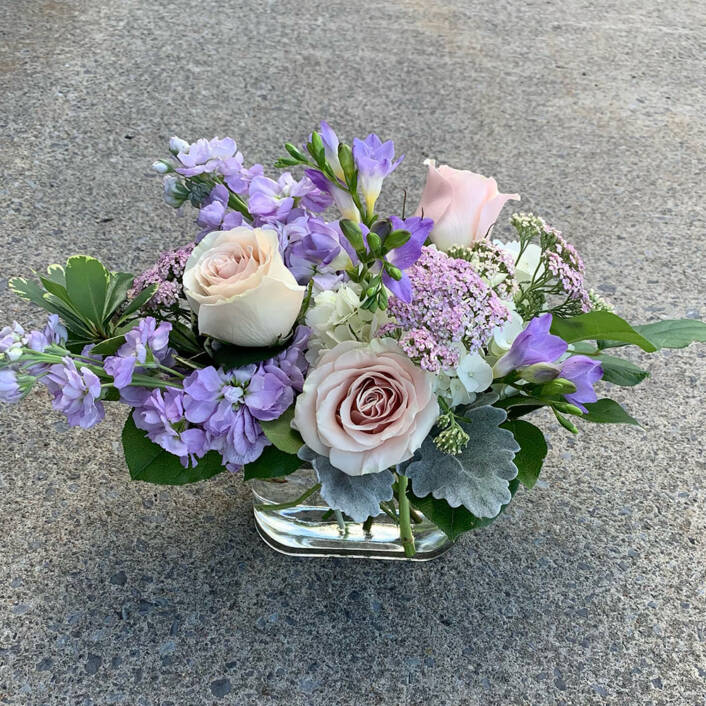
310, 528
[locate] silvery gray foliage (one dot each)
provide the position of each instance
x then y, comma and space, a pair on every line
478, 477
359, 497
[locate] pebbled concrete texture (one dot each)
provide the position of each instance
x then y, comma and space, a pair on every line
591, 588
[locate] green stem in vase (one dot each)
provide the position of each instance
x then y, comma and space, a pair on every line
368, 524
406, 536
292, 503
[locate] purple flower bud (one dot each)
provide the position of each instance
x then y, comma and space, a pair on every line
534, 345
584, 372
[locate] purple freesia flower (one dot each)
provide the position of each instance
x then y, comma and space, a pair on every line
76, 393
584, 372
146, 337
162, 417
374, 159
341, 196
406, 255
533, 345
10, 391
205, 156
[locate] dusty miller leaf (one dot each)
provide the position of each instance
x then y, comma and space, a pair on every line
478, 478
358, 496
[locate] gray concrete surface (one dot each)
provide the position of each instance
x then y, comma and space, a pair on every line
591, 588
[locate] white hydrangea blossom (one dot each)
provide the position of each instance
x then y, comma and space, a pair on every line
460, 385
335, 317
528, 263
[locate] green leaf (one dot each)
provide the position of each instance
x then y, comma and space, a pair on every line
28, 289
454, 521
280, 433
674, 333
56, 274
229, 357
533, 450
183, 339
140, 300
118, 285
273, 463
151, 463
58, 290
478, 476
109, 346
621, 372
599, 325
87, 287
607, 411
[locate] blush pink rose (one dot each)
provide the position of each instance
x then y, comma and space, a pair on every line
366, 407
463, 205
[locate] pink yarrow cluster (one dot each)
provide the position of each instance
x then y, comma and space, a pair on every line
166, 273
564, 262
451, 305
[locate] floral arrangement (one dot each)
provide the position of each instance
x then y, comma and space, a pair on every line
396, 356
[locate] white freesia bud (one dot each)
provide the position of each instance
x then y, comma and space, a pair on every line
176, 145
161, 167
175, 193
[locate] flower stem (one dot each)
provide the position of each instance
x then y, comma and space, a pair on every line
291, 503
406, 536
368, 524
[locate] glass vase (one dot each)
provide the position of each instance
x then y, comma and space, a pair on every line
299, 524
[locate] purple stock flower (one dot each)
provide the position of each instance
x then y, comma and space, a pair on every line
76, 393
214, 213
145, 337
584, 372
10, 391
533, 345
11, 341
217, 400
205, 156
270, 199
374, 159
292, 361
236, 176
312, 245
162, 417
269, 393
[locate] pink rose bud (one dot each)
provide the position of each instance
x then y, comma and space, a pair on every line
463, 205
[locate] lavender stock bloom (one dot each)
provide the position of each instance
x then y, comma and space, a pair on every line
534, 345
374, 159
205, 156
162, 417
11, 340
214, 213
312, 245
584, 372
76, 393
273, 200
10, 391
146, 337
292, 361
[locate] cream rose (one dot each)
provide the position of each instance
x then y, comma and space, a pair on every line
463, 205
366, 406
238, 286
